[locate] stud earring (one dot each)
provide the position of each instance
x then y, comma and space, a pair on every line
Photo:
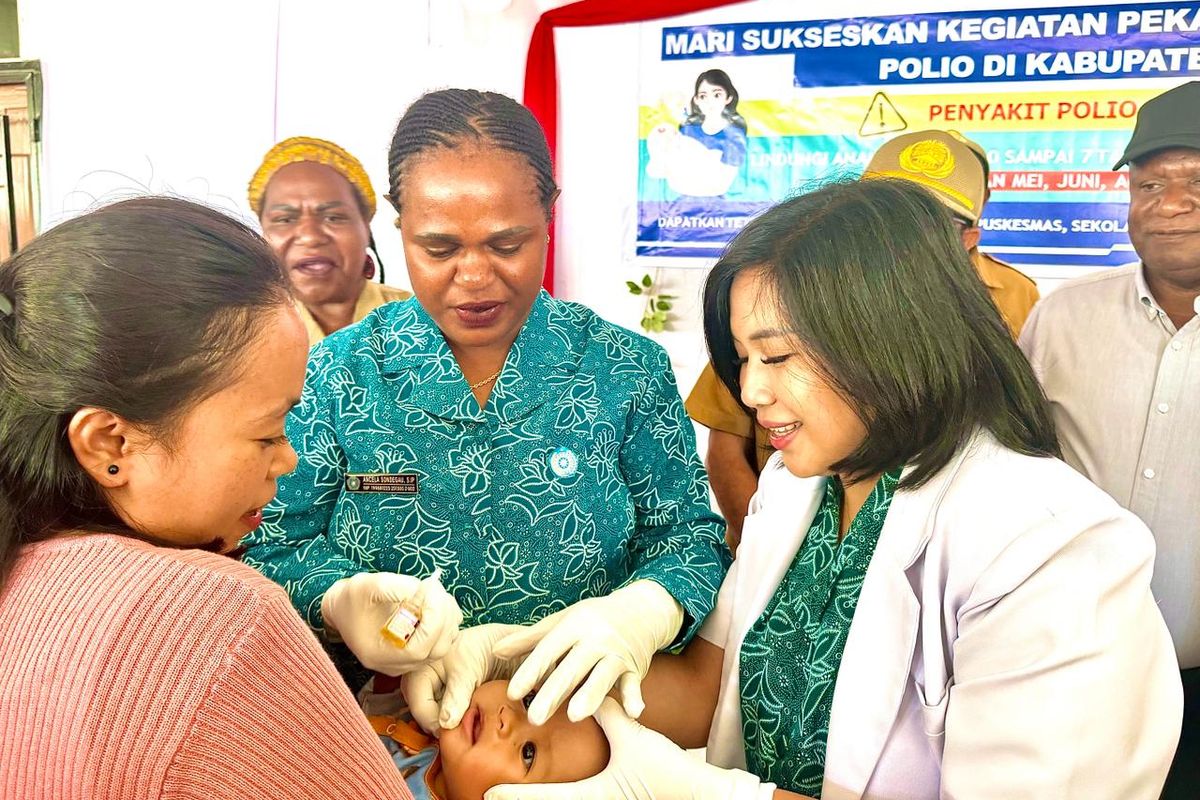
113, 469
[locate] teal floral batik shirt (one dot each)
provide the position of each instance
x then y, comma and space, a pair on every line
790, 658
579, 475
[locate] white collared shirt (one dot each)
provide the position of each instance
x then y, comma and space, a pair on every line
1124, 387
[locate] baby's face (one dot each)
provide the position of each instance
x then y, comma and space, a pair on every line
495, 743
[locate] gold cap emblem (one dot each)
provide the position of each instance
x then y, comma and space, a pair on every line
928, 157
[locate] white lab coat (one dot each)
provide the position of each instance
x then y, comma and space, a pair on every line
1005, 644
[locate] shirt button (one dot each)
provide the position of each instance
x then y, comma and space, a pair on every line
1176, 345
1163, 408
1148, 473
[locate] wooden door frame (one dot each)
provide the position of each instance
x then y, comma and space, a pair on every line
29, 73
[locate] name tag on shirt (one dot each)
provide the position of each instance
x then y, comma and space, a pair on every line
404, 483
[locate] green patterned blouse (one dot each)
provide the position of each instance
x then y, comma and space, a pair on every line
578, 476
790, 657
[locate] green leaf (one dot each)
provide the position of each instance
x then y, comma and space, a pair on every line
658, 326
646, 281
666, 297
663, 305
646, 323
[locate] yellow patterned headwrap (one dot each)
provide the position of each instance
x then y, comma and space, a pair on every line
319, 151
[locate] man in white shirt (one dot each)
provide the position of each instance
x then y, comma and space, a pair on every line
1118, 354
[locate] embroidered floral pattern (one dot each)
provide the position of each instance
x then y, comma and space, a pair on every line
790, 657
515, 538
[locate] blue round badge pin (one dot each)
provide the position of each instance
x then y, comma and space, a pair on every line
563, 462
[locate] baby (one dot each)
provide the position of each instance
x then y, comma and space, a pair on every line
494, 744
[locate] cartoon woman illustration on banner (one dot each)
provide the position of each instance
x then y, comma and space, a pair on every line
703, 156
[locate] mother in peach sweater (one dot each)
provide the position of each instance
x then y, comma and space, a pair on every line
149, 353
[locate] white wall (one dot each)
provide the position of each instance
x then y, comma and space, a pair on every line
348, 77
145, 95
142, 96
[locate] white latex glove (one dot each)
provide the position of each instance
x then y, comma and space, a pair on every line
422, 690
439, 693
357, 608
644, 765
607, 640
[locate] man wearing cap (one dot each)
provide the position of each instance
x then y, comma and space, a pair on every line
1013, 292
954, 169
1118, 354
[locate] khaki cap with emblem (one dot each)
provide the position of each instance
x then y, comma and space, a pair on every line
975, 148
939, 162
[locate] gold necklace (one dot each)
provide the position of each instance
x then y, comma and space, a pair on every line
487, 380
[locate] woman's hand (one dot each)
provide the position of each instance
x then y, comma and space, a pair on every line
357, 608
439, 693
608, 641
644, 765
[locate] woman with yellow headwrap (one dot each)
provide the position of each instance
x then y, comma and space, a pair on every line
315, 203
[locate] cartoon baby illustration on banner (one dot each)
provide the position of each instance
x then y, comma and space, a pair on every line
704, 155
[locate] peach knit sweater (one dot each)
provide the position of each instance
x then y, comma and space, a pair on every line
132, 671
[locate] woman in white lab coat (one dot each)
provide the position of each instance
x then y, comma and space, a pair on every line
927, 602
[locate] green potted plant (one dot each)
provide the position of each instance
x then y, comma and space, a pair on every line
654, 316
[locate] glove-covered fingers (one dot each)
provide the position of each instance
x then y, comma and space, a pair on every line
541, 661
616, 724
604, 676
525, 638
628, 626
460, 686
644, 765
422, 690
629, 689
471, 661
358, 608
610, 783
562, 681
655, 768
543, 791
392, 587
444, 642
452, 614
438, 626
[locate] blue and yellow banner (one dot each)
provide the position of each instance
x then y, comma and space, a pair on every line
736, 117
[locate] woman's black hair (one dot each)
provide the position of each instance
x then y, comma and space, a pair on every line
450, 118
716, 77
872, 279
140, 308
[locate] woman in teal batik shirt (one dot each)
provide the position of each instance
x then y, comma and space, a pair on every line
534, 453
926, 603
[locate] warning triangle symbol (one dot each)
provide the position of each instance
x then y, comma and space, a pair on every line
882, 117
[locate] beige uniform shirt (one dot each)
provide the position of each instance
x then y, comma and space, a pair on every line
1013, 292
1124, 386
372, 297
711, 404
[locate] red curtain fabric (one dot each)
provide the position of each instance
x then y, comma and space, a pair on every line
541, 66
